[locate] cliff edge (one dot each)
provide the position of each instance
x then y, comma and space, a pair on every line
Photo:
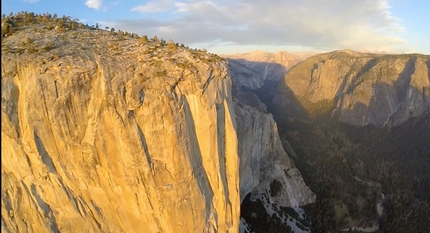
106, 131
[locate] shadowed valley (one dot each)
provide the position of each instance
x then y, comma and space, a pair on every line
358, 125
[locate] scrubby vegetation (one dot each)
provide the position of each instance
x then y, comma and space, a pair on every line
39, 33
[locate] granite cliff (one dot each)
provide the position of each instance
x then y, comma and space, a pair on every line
112, 132
362, 88
268, 176
269, 180
98, 142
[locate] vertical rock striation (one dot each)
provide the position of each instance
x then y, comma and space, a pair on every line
366, 89
263, 160
108, 132
269, 180
97, 143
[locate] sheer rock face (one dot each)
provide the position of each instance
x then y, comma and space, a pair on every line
267, 174
366, 88
130, 142
263, 160
102, 133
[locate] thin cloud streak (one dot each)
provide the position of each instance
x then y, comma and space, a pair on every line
154, 6
321, 25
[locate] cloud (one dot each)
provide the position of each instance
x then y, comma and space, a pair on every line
155, 6
96, 4
31, 1
317, 24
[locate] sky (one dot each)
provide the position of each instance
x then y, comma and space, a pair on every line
239, 26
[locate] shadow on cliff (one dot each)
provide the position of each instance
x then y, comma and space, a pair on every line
44, 155
262, 99
274, 71
196, 159
355, 81
395, 155
270, 92
388, 103
273, 97
395, 133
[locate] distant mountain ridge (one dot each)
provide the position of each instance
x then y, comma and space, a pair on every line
252, 69
360, 88
282, 57
364, 88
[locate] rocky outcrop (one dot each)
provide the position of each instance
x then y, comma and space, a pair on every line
365, 88
268, 176
109, 132
132, 140
263, 159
